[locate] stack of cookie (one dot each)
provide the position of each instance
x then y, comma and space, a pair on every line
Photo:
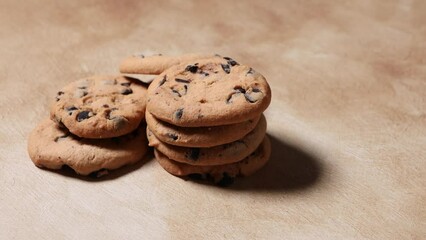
96, 124
204, 115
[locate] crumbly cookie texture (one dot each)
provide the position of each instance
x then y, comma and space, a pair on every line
221, 174
217, 155
50, 146
208, 92
100, 106
200, 136
156, 64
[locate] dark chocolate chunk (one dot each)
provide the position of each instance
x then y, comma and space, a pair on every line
71, 109
181, 80
105, 106
253, 96
226, 180
126, 91
226, 68
58, 95
231, 61
84, 115
163, 80
126, 84
172, 136
250, 71
193, 154
239, 89
179, 113
191, 68
176, 92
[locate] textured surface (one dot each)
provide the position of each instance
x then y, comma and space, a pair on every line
208, 92
51, 147
347, 119
221, 154
199, 136
100, 106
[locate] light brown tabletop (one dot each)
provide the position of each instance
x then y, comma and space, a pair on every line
347, 119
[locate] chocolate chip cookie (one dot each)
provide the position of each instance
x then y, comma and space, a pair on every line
217, 155
157, 64
50, 146
201, 136
208, 92
221, 174
100, 106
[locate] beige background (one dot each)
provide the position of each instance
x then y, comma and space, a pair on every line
347, 119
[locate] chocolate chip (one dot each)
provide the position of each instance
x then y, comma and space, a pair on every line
163, 81
205, 73
193, 154
176, 92
119, 121
231, 61
84, 115
250, 71
226, 180
58, 95
126, 91
105, 106
253, 96
191, 68
226, 68
126, 84
179, 113
239, 89
172, 136
82, 87
71, 109
181, 80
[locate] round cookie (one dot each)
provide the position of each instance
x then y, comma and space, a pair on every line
157, 64
201, 136
100, 106
222, 174
222, 154
209, 92
50, 146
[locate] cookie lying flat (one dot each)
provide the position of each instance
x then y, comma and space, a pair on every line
52, 147
208, 93
222, 154
156, 64
221, 174
201, 136
100, 106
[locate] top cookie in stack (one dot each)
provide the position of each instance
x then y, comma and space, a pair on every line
204, 116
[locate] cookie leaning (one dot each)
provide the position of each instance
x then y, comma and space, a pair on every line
157, 64
217, 155
246, 167
208, 92
52, 147
100, 106
201, 136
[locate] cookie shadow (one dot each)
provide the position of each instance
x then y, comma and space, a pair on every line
113, 174
289, 169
